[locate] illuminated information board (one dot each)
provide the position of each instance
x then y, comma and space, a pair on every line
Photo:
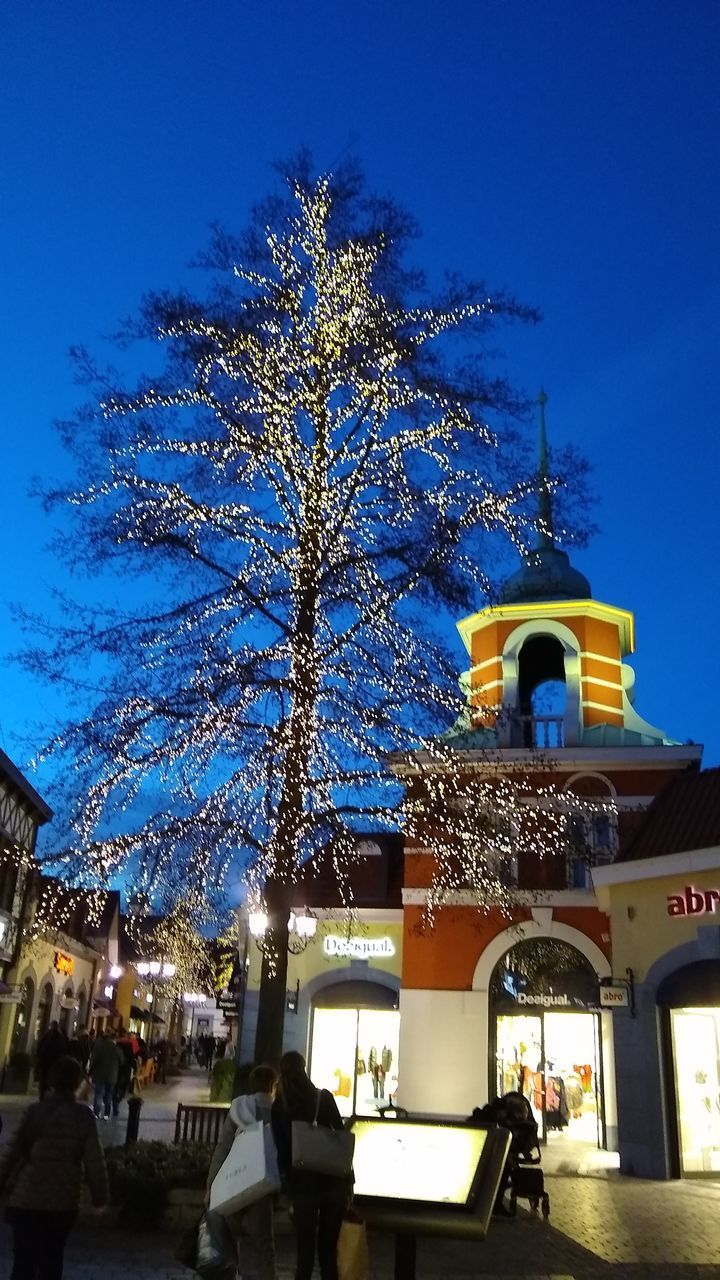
430, 1163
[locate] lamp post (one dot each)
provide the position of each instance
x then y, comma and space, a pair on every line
157, 971
300, 929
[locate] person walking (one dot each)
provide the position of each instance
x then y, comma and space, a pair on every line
80, 1047
319, 1200
105, 1063
41, 1173
51, 1046
252, 1227
126, 1070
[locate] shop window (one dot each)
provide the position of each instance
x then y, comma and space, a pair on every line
544, 997
354, 1055
696, 1052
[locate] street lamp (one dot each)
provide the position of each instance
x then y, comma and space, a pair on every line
157, 971
302, 926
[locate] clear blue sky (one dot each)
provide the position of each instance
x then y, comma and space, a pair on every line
566, 150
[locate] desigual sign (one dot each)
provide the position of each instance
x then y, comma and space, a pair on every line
547, 1002
693, 902
63, 963
357, 948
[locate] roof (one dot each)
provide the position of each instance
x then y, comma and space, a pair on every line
42, 811
684, 816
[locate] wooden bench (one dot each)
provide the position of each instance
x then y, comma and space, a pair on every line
199, 1123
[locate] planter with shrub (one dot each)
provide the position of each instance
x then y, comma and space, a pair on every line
222, 1081
145, 1177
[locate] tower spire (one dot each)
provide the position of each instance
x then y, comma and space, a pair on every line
546, 533
546, 572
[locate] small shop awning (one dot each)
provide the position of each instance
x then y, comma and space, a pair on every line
157, 1020
140, 1015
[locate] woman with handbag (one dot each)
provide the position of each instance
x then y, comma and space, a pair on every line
319, 1200
42, 1168
251, 1227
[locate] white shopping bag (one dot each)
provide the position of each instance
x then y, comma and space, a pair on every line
249, 1172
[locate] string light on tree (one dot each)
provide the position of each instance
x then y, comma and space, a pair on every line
311, 479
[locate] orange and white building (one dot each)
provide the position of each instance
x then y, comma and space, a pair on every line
491, 1001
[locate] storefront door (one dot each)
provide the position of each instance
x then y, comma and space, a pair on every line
696, 1054
553, 1059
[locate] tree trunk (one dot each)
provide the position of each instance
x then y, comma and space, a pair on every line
291, 807
273, 980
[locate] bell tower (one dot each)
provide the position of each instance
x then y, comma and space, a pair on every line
547, 667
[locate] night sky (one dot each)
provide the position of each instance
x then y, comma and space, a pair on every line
566, 151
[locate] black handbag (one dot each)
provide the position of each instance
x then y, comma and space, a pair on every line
317, 1149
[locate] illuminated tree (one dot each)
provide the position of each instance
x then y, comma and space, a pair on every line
177, 939
303, 486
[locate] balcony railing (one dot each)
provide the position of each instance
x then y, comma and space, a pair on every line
539, 732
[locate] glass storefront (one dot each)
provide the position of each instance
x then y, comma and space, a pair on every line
552, 1058
354, 1055
696, 1054
544, 1000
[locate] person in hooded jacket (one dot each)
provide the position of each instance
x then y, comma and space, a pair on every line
319, 1200
42, 1168
252, 1227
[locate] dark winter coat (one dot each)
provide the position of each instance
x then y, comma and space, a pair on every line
43, 1164
105, 1062
51, 1046
305, 1182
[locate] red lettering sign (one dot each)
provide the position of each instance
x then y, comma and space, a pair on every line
693, 902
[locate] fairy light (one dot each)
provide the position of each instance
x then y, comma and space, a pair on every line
478, 820
306, 477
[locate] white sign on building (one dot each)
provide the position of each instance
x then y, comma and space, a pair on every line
357, 948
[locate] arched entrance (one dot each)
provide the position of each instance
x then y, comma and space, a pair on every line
68, 1006
546, 1036
354, 1039
44, 1010
21, 1027
690, 1000
82, 1010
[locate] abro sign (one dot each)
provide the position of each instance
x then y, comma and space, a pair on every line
693, 902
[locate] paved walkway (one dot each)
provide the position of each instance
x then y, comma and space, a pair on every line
600, 1229
602, 1226
157, 1117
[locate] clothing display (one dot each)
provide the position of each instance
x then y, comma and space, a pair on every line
556, 1105
585, 1073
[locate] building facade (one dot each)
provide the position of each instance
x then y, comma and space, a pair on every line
663, 900
22, 812
343, 985
510, 998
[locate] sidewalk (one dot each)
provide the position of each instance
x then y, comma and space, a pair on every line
599, 1229
601, 1226
157, 1116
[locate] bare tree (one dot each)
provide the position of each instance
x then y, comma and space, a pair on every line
303, 487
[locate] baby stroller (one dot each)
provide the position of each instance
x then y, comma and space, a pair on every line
523, 1175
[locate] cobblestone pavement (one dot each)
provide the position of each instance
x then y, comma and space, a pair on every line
602, 1226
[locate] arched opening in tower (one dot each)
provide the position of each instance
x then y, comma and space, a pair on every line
542, 693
